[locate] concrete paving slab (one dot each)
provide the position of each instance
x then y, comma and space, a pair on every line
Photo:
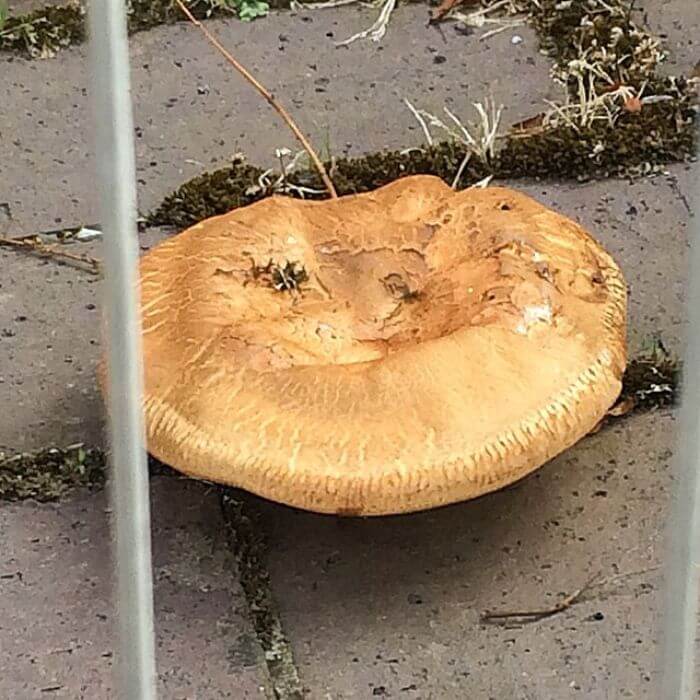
49, 347
392, 605
192, 111
49, 316
56, 614
677, 23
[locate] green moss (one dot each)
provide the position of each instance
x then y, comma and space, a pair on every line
208, 194
221, 190
49, 474
660, 133
652, 380
41, 33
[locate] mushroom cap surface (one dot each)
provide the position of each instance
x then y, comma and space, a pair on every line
380, 353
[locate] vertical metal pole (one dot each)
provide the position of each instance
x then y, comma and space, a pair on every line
129, 483
683, 555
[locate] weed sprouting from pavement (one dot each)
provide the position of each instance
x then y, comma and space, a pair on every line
478, 138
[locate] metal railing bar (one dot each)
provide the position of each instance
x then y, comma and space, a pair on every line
129, 475
680, 622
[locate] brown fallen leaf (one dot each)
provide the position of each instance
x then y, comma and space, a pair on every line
622, 407
524, 616
445, 6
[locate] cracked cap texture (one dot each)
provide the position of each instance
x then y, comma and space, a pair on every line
440, 346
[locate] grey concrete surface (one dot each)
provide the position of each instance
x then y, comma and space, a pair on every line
49, 347
392, 605
677, 23
57, 616
192, 111
49, 318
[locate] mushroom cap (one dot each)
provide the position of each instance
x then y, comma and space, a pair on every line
443, 345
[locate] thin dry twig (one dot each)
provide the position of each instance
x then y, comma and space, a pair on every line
527, 616
626, 574
267, 95
536, 615
32, 245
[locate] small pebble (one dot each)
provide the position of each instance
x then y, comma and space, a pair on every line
516, 39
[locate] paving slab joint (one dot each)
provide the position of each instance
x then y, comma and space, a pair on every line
249, 546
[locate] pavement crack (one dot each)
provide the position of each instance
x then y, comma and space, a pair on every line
249, 546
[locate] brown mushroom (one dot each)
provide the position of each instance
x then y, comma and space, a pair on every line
380, 353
